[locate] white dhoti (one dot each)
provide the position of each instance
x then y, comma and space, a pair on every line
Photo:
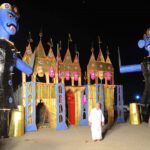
96, 119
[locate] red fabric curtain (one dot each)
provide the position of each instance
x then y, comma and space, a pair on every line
71, 107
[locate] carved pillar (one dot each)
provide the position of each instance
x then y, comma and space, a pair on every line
113, 78
23, 77
23, 88
72, 81
56, 78
106, 81
96, 80
88, 79
79, 81
47, 77
62, 80
33, 78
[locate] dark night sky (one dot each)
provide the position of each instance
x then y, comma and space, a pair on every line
120, 24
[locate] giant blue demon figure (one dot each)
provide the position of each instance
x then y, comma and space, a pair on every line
8, 58
144, 67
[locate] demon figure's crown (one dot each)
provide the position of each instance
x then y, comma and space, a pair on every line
9, 7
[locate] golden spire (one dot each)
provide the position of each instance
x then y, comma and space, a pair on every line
92, 47
28, 52
50, 42
92, 58
108, 58
58, 57
85, 77
100, 55
69, 39
76, 59
40, 52
99, 42
51, 55
30, 40
60, 48
41, 34
67, 58
76, 64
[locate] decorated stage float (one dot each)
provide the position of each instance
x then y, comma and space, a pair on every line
53, 96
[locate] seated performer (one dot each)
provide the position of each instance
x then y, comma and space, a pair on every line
96, 121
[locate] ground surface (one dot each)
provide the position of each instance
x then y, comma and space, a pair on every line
121, 137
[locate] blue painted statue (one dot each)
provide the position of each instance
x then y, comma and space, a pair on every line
8, 57
145, 68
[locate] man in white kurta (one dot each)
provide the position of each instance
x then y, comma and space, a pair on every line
96, 121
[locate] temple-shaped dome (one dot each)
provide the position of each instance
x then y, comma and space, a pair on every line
67, 63
100, 56
27, 55
92, 61
76, 64
40, 52
50, 57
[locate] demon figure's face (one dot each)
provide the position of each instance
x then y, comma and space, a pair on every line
8, 19
145, 42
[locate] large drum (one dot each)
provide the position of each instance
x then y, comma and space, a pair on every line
4, 122
134, 114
